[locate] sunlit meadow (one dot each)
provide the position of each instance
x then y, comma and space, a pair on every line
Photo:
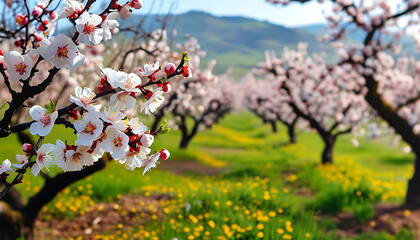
239, 182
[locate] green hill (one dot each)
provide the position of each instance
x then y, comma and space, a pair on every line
235, 41
240, 42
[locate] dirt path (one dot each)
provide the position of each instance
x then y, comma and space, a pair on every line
188, 167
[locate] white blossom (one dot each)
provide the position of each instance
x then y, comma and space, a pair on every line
44, 122
150, 162
89, 33
18, 67
116, 142
61, 51
84, 98
88, 128
152, 104
43, 158
6, 167
73, 7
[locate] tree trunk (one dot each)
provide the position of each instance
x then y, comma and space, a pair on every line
404, 129
327, 154
273, 126
291, 132
156, 122
412, 197
53, 186
184, 141
11, 219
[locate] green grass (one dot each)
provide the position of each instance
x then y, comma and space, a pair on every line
265, 187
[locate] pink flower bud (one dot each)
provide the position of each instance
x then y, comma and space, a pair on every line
147, 140
42, 5
137, 4
164, 154
26, 147
53, 15
38, 37
125, 12
37, 11
170, 68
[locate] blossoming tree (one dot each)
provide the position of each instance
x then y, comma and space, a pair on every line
98, 118
390, 86
201, 97
322, 95
270, 104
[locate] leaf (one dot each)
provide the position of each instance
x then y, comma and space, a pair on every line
51, 107
185, 57
164, 130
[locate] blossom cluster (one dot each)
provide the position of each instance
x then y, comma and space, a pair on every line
325, 93
99, 127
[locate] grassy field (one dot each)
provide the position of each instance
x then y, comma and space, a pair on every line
235, 181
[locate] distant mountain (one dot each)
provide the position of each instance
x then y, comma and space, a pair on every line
239, 41
235, 41
320, 30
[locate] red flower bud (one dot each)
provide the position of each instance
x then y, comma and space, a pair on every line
148, 95
19, 42
26, 147
75, 114
164, 154
186, 72
170, 68
166, 87
134, 138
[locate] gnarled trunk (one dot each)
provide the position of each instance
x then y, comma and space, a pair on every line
404, 129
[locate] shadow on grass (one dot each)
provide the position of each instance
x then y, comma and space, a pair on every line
400, 161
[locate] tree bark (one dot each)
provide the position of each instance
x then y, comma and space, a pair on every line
273, 126
412, 197
53, 186
291, 132
185, 140
158, 118
404, 129
11, 219
327, 153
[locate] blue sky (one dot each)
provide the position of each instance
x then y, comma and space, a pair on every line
293, 15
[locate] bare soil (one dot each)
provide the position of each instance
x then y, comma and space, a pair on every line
189, 167
388, 217
128, 211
